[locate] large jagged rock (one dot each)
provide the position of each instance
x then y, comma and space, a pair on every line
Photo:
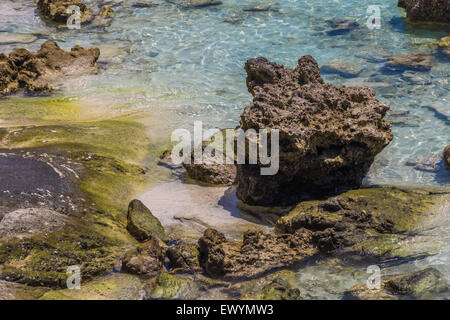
421, 284
146, 260
57, 10
142, 224
34, 72
447, 158
426, 10
257, 254
329, 136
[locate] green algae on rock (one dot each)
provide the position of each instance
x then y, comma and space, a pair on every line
168, 286
279, 287
142, 224
104, 169
424, 284
369, 221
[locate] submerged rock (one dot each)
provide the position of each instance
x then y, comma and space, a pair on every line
142, 224
9, 38
341, 26
420, 285
168, 286
145, 260
279, 287
34, 71
428, 162
414, 61
447, 158
195, 3
58, 10
426, 10
329, 136
258, 253
261, 7
342, 68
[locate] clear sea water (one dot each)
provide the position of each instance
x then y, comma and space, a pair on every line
186, 65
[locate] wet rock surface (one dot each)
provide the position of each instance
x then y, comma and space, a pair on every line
447, 158
34, 72
329, 136
195, 4
58, 10
415, 62
423, 10
257, 254
142, 224
342, 68
146, 260
418, 285
427, 162
184, 256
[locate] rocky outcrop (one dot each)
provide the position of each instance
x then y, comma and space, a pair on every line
418, 285
57, 10
34, 72
257, 254
329, 136
142, 224
146, 260
168, 286
447, 158
426, 10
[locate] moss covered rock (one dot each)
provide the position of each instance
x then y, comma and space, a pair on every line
424, 284
142, 224
168, 286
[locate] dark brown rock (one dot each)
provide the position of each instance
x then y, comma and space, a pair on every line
329, 136
215, 169
447, 158
34, 72
57, 10
257, 254
426, 10
184, 256
146, 260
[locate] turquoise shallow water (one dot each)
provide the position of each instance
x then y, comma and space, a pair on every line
187, 65
191, 63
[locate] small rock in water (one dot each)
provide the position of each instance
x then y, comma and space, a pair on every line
146, 260
428, 162
342, 68
341, 26
195, 3
444, 42
9, 38
447, 158
261, 6
57, 10
142, 224
414, 61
